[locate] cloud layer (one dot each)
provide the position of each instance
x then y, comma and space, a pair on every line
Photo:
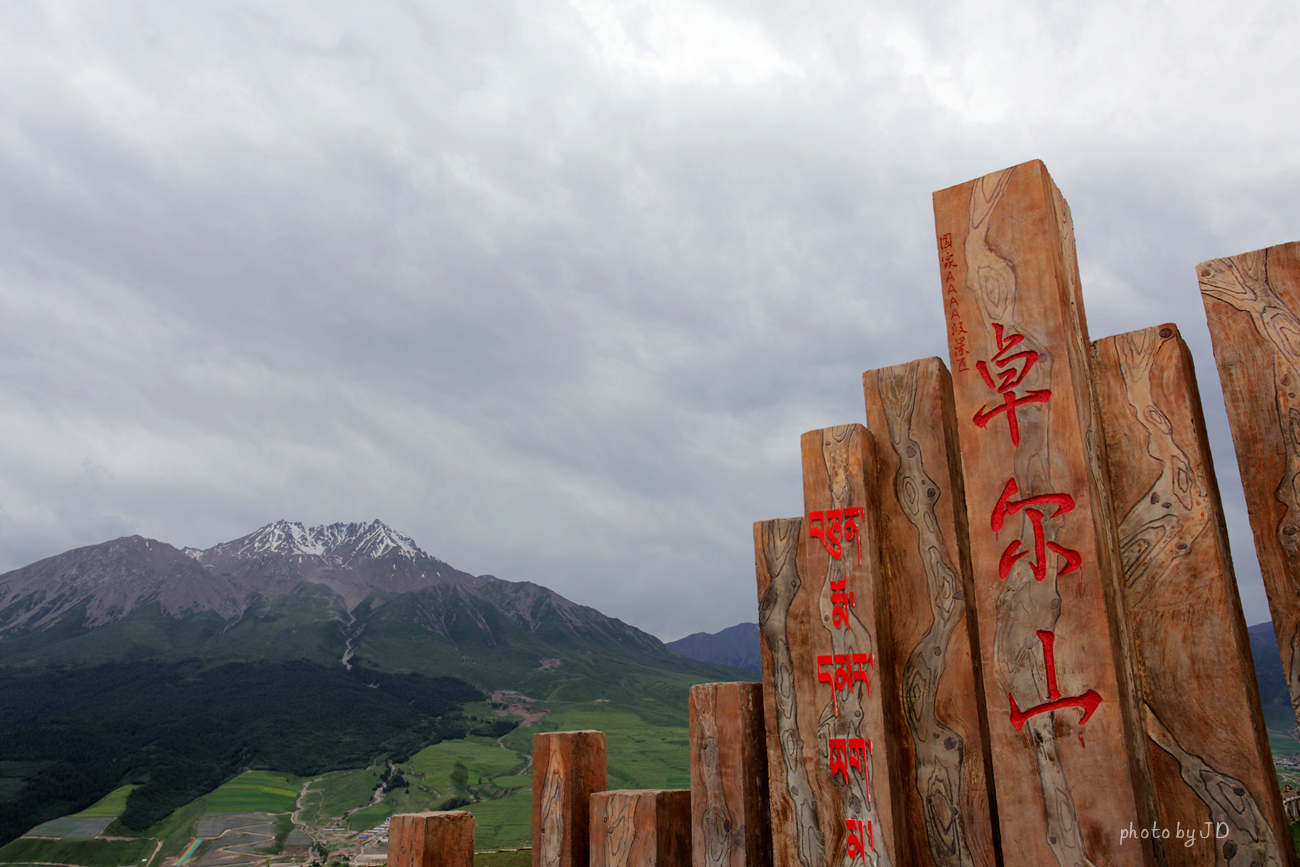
554, 287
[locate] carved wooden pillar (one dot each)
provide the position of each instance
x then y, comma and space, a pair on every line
1252, 303
1210, 757
431, 840
649, 828
947, 796
730, 823
1068, 746
567, 768
833, 769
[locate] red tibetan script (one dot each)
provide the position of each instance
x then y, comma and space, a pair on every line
841, 602
837, 526
848, 753
1013, 367
1088, 701
854, 844
846, 669
1007, 506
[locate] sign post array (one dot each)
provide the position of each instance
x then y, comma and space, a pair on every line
1028, 610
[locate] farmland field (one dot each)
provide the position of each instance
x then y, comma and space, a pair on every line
92, 853
111, 805
256, 792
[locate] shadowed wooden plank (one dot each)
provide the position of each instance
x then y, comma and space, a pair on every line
1067, 743
567, 768
942, 731
644, 828
1252, 304
730, 825
436, 839
1210, 757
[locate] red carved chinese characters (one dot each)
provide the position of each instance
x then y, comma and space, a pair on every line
1009, 376
1003, 373
837, 526
1088, 701
1007, 506
956, 329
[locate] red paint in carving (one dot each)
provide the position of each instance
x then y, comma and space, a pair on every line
1010, 402
853, 844
1087, 702
837, 526
841, 602
837, 758
1008, 377
826, 677
847, 670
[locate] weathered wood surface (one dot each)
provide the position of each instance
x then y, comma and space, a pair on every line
435, 839
730, 826
567, 768
942, 731
1252, 303
1068, 748
1210, 758
645, 828
832, 766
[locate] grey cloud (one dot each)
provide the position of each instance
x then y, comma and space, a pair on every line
554, 287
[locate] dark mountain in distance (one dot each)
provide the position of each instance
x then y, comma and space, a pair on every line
1273, 692
351, 594
293, 648
736, 646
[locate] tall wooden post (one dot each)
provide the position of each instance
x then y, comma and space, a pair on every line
1210, 757
435, 839
942, 731
1067, 744
567, 768
832, 767
648, 828
730, 824
1252, 302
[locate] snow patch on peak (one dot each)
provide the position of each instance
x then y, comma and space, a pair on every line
192, 553
347, 541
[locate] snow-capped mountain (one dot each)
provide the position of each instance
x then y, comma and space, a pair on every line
334, 591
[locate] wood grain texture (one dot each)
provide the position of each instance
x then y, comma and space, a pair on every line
926, 568
1210, 757
831, 763
730, 826
1069, 755
645, 828
797, 836
1251, 302
434, 839
567, 768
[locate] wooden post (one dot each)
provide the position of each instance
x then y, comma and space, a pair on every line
567, 768
1202, 713
730, 826
1252, 302
431, 840
1067, 741
942, 731
832, 766
650, 828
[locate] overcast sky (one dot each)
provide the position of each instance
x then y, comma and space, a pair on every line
554, 287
